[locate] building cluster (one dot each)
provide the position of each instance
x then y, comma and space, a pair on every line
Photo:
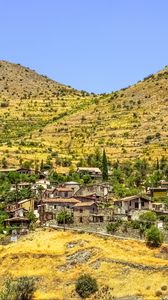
87, 204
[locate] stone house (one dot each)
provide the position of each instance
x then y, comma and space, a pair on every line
129, 207
164, 184
157, 192
21, 185
87, 198
73, 185
61, 192
100, 191
48, 193
93, 172
88, 213
49, 208
57, 204
84, 212
158, 207
44, 183
27, 204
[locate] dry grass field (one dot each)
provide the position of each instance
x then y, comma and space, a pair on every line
56, 259
40, 116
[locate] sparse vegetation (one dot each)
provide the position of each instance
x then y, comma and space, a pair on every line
40, 118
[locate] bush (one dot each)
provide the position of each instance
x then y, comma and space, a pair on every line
112, 227
24, 288
135, 224
86, 285
154, 238
21, 289
148, 216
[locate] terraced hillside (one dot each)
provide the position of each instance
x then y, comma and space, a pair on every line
39, 116
56, 259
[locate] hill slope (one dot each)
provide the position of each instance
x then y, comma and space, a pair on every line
18, 82
57, 259
39, 116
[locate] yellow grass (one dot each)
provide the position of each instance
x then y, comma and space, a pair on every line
41, 253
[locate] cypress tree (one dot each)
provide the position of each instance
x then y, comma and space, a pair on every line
104, 166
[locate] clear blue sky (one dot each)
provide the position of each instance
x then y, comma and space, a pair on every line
94, 45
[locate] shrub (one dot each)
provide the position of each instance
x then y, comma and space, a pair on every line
148, 216
158, 293
86, 285
21, 289
135, 224
24, 288
4, 104
112, 227
154, 238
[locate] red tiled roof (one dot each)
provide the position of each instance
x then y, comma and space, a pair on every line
81, 204
61, 200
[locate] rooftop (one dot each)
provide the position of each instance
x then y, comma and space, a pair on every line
61, 200
25, 200
63, 189
96, 170
82, 204
17, 219
130, 198
72, 182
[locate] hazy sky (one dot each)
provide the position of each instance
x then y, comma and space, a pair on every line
94, 45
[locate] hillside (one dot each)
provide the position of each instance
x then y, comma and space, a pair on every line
57, 259
39, 116
18, 82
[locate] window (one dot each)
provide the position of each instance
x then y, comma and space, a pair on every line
101, 218
81, 210
55, 206
80, 220
136, 204
142, 203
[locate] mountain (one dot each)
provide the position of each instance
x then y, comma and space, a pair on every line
41, 118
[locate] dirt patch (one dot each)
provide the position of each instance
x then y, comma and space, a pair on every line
79, 257
80, 243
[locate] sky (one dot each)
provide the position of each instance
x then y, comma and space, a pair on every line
93, 45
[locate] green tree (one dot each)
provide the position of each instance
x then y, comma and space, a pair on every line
104, 166
64, 217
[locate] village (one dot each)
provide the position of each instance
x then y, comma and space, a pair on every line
91, 206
